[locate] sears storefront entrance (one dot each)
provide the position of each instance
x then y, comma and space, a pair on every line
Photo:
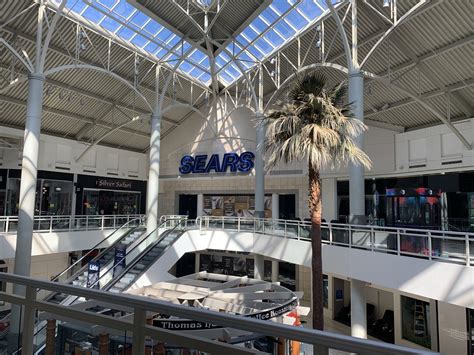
108, 196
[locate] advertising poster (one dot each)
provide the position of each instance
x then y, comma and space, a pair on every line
119, 260
234, 206
207, 205
217, 206
229, 203
93, 272
268, 206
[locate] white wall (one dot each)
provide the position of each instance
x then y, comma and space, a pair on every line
452, 329
59, 154
431, 148
410, 275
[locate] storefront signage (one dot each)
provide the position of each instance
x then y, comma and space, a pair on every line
93, 272
113, 184
200, 164
178, 324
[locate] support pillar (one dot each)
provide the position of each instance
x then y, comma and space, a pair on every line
356, 172
258, 268
329, 199
154, 169
275, 206
104, 340
358, 309
259, 161
275, 270
197, 262
200, 204
50, 337
29, 172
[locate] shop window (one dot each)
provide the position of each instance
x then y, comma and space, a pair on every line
416, 321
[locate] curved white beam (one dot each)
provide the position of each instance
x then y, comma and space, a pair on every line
17, 55
302, 70
99, 69
49, 35
397, 24
342, 32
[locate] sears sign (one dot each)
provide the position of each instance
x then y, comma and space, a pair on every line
200, 164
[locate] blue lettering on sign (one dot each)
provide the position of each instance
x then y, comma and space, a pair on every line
230, 162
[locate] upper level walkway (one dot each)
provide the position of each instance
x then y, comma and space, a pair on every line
430, 263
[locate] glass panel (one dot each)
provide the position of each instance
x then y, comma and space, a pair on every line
416, 321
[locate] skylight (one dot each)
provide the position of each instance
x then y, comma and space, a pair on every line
121, 19
277, 24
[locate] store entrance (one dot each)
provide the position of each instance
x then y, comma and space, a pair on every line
188, 205
109, 202
287, 206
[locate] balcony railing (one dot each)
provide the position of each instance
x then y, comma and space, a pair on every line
136, 309
447, 246
9, 224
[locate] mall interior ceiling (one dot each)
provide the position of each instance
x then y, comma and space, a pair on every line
102, 60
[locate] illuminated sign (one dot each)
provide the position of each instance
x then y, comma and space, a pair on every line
200, 164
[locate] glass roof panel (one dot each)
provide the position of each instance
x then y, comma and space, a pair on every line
279, 23
128, 23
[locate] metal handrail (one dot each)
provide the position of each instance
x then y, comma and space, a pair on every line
48, 223
142, 305
333, 232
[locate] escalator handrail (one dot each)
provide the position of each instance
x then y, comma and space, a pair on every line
138, 257
95, 247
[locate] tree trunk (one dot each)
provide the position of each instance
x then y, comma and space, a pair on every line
316, 262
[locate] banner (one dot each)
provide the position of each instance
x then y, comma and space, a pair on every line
93, 272
119, 260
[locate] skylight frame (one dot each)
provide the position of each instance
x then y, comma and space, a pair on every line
125, 22
281, 18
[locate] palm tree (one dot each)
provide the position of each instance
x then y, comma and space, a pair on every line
313, 124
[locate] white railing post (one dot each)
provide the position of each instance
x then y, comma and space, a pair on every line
330, 233
430, 246
115, 221
28, 321
372, 238
398, 241
350, 236
222, 222
87, 223
139, 321
71, 221
468, 252
102, 223
238, 224
286, 230
50, 224
7, 225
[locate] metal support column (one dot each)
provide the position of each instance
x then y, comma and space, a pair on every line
29, 172
258, 268
200, 204
358, 309
275, 206
356, 99
275, 270
154, 169
356, 172
259, 162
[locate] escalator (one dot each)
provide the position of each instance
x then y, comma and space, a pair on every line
142, 251
124, 238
